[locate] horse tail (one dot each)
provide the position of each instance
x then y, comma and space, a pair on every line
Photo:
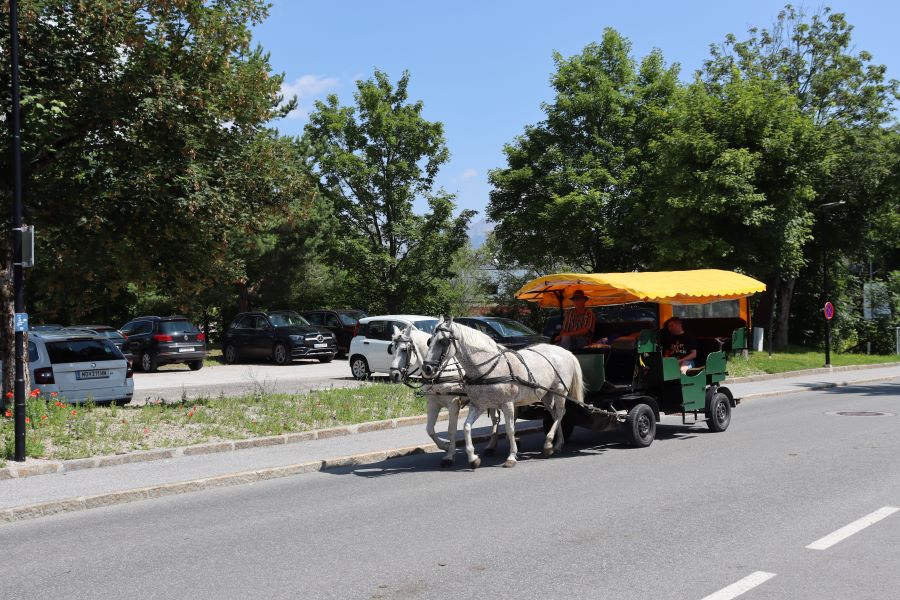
576, 389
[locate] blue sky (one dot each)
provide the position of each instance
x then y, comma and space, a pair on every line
482, 68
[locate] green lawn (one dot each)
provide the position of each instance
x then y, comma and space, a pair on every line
63, 431
796, 359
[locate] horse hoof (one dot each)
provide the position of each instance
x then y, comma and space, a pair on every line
489, 451
548, 451
509, 464
475, 463
446, 462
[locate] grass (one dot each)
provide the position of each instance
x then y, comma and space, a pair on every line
796, 359
62, 431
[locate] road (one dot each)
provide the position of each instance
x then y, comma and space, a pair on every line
697, 515
174, 382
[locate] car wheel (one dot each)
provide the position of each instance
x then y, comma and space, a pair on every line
230, 354
148, 362
719, 417
195, 365
280, 354
359, 368
640, 426
326, 359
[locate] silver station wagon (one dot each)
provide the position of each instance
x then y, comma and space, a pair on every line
79, 366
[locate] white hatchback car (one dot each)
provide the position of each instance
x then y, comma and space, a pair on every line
79, 366
370, 347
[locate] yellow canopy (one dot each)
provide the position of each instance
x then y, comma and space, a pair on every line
666, 287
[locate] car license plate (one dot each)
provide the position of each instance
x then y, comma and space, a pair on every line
321, 345
185, 349
92, 374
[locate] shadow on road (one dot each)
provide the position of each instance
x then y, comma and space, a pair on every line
582, 443
884, 389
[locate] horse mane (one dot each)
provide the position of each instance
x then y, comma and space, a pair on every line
473, 337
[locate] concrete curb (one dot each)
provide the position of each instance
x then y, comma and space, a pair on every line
34, 467
820, 371
818, 387
66, 505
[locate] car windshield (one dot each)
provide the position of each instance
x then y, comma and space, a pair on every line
177, 327
510, 328
351, 317
426, 325
111, 334
287, 319
76, 351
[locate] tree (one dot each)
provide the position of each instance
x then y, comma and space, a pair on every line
849, 102
145, 148
374, 160
572, 186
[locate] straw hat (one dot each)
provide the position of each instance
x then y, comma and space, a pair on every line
578, 295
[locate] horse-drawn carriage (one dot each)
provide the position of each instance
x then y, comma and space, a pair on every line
628, 381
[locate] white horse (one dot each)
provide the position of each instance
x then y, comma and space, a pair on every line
409, 347
496, 377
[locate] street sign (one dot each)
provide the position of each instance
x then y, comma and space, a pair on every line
21, 322
828, 310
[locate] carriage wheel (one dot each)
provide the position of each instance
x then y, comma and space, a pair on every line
640, 426
719, 416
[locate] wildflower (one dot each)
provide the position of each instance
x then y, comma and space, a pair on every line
9, 394
8, 414
190, 414
74, 412
43, 417
27, 420
54, 394
58, 403
146, 431
34, 393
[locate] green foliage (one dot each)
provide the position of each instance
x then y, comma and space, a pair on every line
148, 164
583, 169
374, 159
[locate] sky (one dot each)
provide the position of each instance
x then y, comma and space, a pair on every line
483, 68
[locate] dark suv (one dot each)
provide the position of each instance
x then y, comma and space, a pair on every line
280, 336
341, 322
156, 341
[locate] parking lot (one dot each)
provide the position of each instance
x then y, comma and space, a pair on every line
177, 381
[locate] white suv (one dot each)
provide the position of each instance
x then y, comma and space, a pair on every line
79, 365
369, 348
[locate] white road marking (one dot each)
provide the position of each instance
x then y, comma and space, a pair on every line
855, 527
739, 587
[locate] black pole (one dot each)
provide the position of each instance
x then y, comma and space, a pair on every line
18, 286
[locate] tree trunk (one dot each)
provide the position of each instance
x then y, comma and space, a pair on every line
243, 297
783, 313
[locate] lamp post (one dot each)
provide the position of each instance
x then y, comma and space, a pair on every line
825, 282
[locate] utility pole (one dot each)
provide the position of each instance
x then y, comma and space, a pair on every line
18, 279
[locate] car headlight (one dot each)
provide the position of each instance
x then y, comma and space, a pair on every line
296, 338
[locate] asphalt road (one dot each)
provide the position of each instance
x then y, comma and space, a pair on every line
697, 515
177, 381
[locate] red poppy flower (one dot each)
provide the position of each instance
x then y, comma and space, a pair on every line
8, 414
27, 420
54, 394
9, 394
73, 412
34, 393
59, 403
43, 417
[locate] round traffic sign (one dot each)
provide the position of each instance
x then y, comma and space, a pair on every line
828, 310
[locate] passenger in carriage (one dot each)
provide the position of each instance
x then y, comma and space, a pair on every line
679, 344
578, 324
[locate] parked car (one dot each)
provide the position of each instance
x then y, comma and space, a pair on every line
370, 348
44, 327
510, 333
79, 366
341, 322
156, 341
113, 335
280, 336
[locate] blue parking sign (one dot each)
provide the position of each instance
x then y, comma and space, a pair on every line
21, 322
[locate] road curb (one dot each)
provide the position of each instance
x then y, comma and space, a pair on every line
81, 503
818, 387
802, 372
34, 467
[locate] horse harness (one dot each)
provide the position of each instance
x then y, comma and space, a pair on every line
406, 374
504, 353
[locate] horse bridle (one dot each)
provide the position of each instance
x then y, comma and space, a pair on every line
405, 373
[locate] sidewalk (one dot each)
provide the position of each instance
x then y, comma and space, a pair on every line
41, 495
